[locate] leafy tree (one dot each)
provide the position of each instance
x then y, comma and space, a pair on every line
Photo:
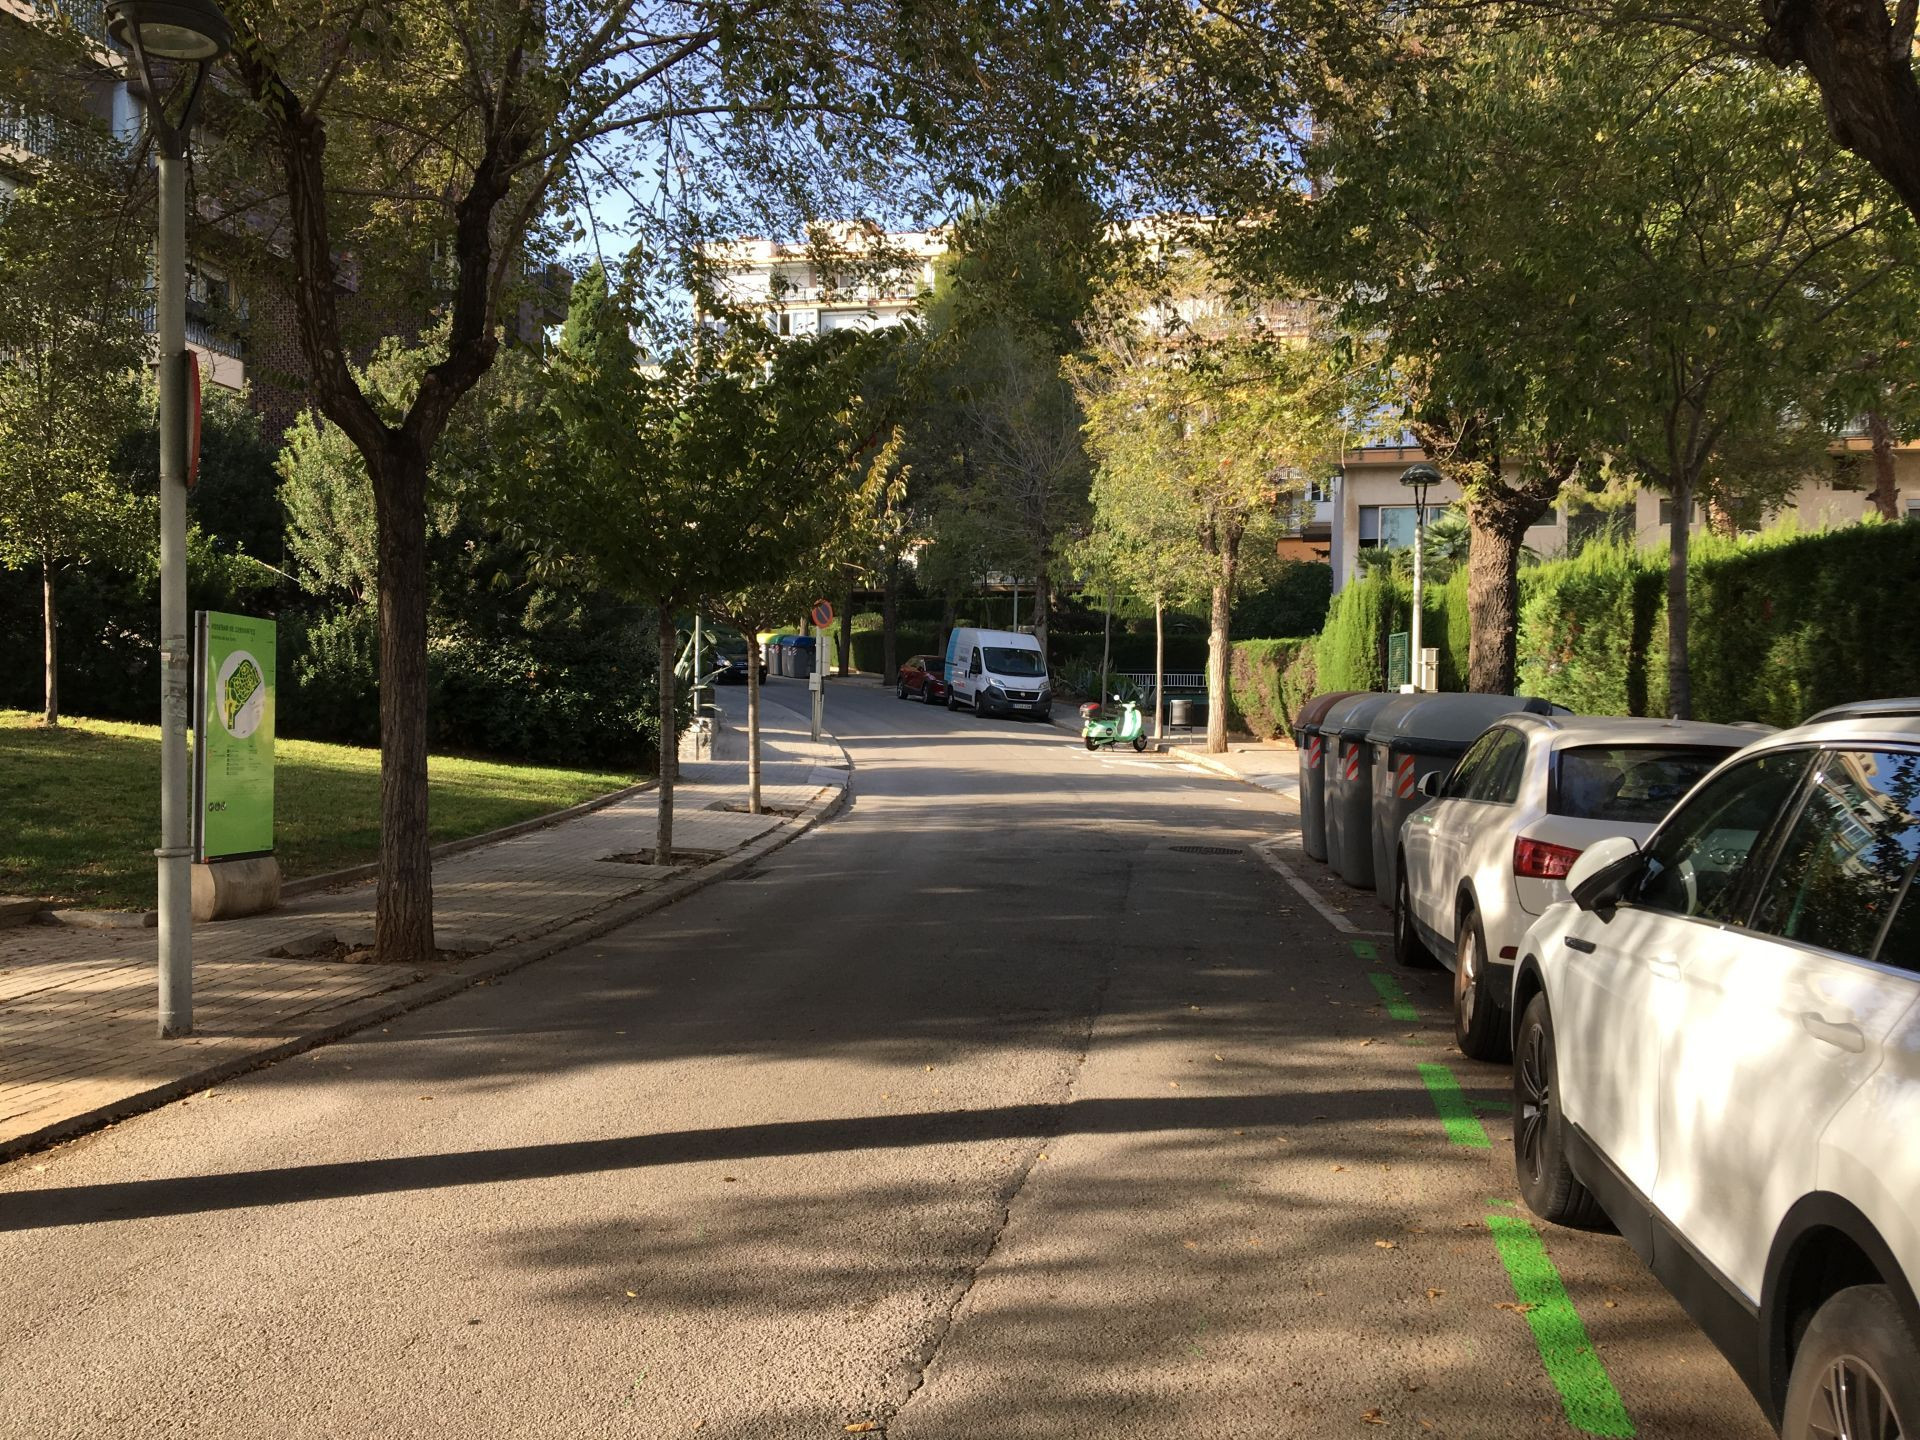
71, 343
679, 481
1224, 412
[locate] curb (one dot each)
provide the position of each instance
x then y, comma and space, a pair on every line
495, 964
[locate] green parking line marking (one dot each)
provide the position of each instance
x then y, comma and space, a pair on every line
1364, 949
1463, 1126
1593, 1406
1398, 1006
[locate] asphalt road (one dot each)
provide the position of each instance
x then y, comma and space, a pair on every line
983, 1111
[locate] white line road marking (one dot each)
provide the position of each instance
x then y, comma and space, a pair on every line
1306, 892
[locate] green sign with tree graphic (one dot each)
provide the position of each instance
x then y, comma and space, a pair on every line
233, 756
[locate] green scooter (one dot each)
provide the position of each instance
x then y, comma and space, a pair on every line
1128, 728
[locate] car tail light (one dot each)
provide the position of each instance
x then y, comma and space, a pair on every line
1537, 860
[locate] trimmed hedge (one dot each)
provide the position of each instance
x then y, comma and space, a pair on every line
1782, 624
1267, 681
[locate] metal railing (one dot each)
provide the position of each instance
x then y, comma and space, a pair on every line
202, 332
51, 137
1176, 679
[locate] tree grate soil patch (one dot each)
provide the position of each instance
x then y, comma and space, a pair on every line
739, 807
327, 949
682, 859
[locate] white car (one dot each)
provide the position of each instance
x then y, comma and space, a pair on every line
1480, 862
1719, 1047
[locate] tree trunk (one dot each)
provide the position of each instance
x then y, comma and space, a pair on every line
1679, 535
890, 624
753, 720
1217, 656
1042, 602
1886, 492
1159, 666
1106, 647
846, 637
403, 907
1493, 607
669, 740
51, 620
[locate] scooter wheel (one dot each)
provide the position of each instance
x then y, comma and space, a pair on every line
1139, 744
1092, 744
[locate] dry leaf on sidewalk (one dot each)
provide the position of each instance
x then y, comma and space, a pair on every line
1373, 1417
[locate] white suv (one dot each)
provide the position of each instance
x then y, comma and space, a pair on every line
1480, 862
1719, 1046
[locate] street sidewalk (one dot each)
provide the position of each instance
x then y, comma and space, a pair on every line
1272, 765
78, 1044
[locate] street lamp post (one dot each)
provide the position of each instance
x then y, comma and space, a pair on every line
1418, 478
185, 34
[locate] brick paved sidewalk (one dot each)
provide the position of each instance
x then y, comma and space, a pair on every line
78, 1042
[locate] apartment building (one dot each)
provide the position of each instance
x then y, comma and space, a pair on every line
1366, 507
848, 276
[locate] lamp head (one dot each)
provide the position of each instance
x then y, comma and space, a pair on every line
1420, 476
185, 31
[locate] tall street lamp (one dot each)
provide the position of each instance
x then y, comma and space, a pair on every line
182, 34
1419, 478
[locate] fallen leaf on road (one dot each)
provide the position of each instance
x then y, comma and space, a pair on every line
1336, 1167
1191, 1244
1373, 1417
1519, 1307
1366, 1042
1433, 1294
1386, 1244
426, 1097
1611, 1304
1220, 1058
633, 1294
864, 1427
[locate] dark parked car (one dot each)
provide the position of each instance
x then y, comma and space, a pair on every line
733, 669
924, 678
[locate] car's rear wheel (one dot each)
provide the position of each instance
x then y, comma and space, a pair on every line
927, 696
1547, 1181
1408, 948
1479, 1019
1856, 1375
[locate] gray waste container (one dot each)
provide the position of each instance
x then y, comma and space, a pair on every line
780, 655
803, 646
1412, 738
1313, 771
1350, 786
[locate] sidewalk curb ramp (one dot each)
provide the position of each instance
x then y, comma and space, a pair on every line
494, 964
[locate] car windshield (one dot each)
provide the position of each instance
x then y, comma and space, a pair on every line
1014, 662
1635, 784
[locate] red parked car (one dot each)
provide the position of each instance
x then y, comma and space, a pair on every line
924, 678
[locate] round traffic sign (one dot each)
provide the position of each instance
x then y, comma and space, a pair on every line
822, 613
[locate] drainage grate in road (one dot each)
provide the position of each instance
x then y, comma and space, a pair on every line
1206, 849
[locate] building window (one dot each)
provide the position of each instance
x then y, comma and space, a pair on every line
1387, 527
1846, 473
1666, 511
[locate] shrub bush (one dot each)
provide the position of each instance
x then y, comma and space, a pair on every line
1295, 602
1264, 684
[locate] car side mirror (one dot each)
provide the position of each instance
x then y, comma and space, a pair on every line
1602, 873
1431, 782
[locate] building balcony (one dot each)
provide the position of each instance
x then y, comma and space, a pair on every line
50, 137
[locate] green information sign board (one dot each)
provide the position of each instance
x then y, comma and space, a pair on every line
1399, 659
233, 759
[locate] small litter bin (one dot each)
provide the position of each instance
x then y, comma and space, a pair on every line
1313, 771
1350, 786
1412, 738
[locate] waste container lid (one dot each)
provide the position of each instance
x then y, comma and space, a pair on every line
1315, 710
1350, 718
1446, 724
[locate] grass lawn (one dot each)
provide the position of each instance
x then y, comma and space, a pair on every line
80, 806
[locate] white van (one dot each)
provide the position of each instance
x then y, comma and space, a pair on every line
997, 672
